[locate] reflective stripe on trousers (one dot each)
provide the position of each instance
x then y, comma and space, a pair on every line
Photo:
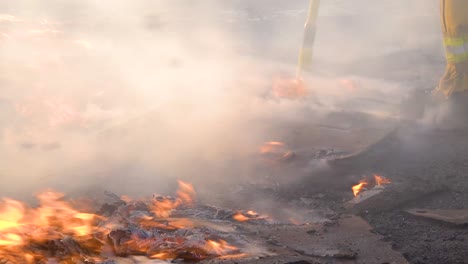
456, 49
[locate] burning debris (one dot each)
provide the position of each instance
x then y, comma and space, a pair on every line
289, 88
276, 151
163, 228
366, 184
248, 216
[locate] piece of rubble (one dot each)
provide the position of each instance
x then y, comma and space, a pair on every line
396, 195
452, 216
363, 196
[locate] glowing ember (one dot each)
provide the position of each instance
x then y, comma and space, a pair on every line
289, 88
272, 147
380, 180
349, 85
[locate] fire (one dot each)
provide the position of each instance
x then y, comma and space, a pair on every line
366, 183
349, 85
219, 248
54, 218
56, 232
186, 192
271, 147
359, 187
163, 206
276, 151
380, 180
289, 88
249, 215
240, 217
57, 111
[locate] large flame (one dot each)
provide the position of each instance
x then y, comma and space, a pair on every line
53, 219
35, 235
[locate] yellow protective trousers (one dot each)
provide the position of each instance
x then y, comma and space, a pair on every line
454, 18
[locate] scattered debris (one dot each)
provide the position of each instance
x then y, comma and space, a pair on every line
456, 217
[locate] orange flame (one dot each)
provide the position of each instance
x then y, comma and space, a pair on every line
359, 187
366, 183
23, 228
349, 85
186, 192
163, 207
271, 147
219, 248
249, 215
53, 219
240, 217
380, 180
289, 88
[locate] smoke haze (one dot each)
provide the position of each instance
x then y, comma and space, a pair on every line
129, 95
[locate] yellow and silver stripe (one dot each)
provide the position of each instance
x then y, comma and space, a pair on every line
456, 49
306, 52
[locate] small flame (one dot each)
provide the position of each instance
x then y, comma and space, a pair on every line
380, 180
240, 217
289, 88
349, 85
219, 248
271, 147
359, 187
369, 183
186, 192
163, 256
249, 215
163, 206
294, 221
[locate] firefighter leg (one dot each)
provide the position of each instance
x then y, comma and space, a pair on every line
454, 18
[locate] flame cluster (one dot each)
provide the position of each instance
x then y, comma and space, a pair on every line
56, 231
163, 206
54, 218
364, 184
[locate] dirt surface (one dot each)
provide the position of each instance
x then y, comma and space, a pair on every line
416, 157
348, 240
